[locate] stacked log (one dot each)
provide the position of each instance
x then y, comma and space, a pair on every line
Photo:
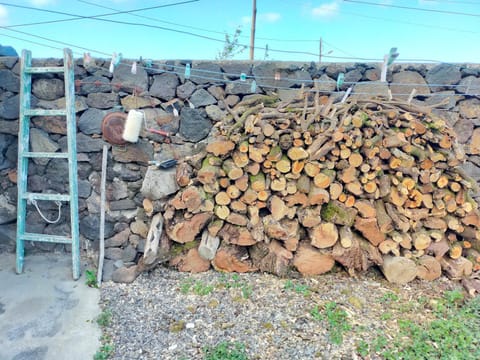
309, 183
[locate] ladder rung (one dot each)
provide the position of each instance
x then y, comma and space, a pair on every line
58, 155
44, 112
46, 238
40, 196
44, 70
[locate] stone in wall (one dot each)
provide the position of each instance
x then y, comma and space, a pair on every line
158, 184
404, 82
201, 73
9, 81
48, 89
164, 86
439, 77
9, 108
95, 84
184, 91
288, 76
90, 121
90, 227
5, 142
8, 212
193, 125
140, 152
41, 142
201, 97
124, 80
102, 100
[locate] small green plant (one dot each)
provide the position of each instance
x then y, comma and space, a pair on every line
451, 335
235, 282
197, 287
225, 351
106, 350
232, 45
105, 318
298, 288
363, 348
389, 297
91, 278
247, 291
337, 321
386, 316
202, 289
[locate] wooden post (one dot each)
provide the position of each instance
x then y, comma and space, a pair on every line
252, 33
102, 215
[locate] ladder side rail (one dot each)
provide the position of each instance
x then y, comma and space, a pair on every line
69, 74
23, 146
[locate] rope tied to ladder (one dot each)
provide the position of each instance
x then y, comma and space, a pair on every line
59, 204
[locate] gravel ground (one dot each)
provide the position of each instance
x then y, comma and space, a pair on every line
165, 314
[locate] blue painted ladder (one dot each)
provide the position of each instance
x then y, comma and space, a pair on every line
24, 155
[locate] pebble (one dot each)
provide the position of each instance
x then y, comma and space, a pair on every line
153, 314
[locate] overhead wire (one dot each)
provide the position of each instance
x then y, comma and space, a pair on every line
189, 33
195, 27
95, 17
213, 31
81, 17
223, 80
277, 87
390, 20
412, 8
453, 2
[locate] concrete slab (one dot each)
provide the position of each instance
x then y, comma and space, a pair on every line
44, 313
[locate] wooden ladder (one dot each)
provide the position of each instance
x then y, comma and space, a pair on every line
24, 154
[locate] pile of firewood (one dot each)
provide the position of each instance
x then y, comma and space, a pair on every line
305, 184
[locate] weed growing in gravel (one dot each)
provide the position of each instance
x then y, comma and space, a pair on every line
225, 351
235, 282
106, 350
91, 278
389, 297
453, 334
105, 318
298, 288
337, 321
197, 287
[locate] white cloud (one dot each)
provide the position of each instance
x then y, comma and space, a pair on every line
3, 15
269, 17
263, 17
246, 20
42, 2
326, 10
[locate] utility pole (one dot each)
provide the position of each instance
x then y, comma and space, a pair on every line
252, 32
320, 51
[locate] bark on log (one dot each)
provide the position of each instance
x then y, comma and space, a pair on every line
398, 270
153, 239
428, 268
309, 261
232, 258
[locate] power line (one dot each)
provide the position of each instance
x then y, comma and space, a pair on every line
453, 2
33, 42
80, 17
195, 27
201, 36
52, 40
412, 8
409, 22
223, 80
212, 31
171, 30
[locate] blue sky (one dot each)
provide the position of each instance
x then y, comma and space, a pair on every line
348, 29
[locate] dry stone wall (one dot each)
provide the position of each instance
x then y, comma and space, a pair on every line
187, 107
